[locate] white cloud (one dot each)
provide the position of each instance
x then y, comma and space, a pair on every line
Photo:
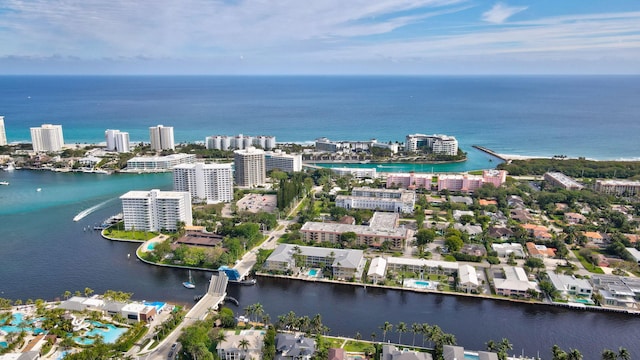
500, 12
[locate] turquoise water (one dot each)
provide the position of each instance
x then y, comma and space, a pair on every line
157, 304
151, 246
583, 301
313, 272
471, 357
15, 325
108, 332
422, 283
3, 344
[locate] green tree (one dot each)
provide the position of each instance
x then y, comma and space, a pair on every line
387, 326
401, 329
609, 355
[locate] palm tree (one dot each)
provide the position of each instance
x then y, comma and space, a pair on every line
88, 291
624, 354
609, 355
415, 328
400, 329
244, 345
258, 310
373, 336
558, 353
387, 326
574, 354
426, 328
492, 346
503, 347
266, 319
358, 335
67, 294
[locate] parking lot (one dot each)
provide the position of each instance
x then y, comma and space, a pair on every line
257, 202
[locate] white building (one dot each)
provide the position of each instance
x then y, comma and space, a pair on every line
438, 144
378, 199
505, 249
570, 285
47, 138
377, 270
159, 163
156, 210
422, 265
358, 173
250, 169
514, 283
3, 133
210, 183
344, 264
618, 187
234, 347
162, 138
238, 142
282, 161
117, 141
468, 279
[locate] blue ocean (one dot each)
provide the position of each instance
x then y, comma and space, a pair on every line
590, 116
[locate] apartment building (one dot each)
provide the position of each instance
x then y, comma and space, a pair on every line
401, 201
47, 138
162, 138
156, 210
239, 142
250, 169
117, 141
282, 161
438, 144
3, 133
207, 183
618, 187
158, 163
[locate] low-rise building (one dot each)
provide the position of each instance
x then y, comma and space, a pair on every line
410, 180
594, 237
468, 279
378, 199
574, 218
506, 249
540, 251
634, 253
390, 352
158, 163
561, 180
247, 344
383, 228
377, 270
515, 283
618, 187
422, 265
570, 285
358, 173
294, 347
344, 264
617, 291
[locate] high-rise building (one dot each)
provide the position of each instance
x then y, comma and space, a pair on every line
117, 141
438, 144
3, 134
239, 142
161, 138
283, 161
47, 138
156, 210
250, 167
210, 183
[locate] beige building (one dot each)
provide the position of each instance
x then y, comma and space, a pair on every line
47, 138
250, 167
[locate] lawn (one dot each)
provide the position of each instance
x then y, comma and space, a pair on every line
587, 265
333, 343
356, 346
130, 235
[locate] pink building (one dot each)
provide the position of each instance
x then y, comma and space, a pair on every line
466, 182
409, 180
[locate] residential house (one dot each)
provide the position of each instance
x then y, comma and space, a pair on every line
515, 201
377, 269
468, 279
515, 283
574, 218
451, 352
635, 253
500, 232
538, 231
472, 230
540, 251
461, 200
570, 285
594, 237
505, 249
521, 215
247, 344
618, 291
390, 352
473, 249
485, 202
457, 214
337, 354
294, 347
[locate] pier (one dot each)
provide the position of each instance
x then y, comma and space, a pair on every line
491, 152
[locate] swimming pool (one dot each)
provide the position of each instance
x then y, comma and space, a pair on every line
314, 272
421, 283
108, 332
157, 304
3, 344
471, 356
151, 246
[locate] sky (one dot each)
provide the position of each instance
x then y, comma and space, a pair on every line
274, 37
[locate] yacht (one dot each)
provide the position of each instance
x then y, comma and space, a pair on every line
4, 183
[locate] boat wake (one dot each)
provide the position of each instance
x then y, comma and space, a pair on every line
81, 215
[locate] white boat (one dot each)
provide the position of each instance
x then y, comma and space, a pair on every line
189, 284
39, 189
10, 167
4, 183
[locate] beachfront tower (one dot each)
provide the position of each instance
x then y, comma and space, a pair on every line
209, 183
47, 138
3, 134
117, 141
250, 167
161, 138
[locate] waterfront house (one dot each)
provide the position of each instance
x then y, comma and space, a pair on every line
506, 249
451, 352
377, 270
247, 344
570, 285
468, 279
617, 291
514, 283
337, 354
294, 347
390, 352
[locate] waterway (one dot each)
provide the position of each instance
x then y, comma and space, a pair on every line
43, 253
